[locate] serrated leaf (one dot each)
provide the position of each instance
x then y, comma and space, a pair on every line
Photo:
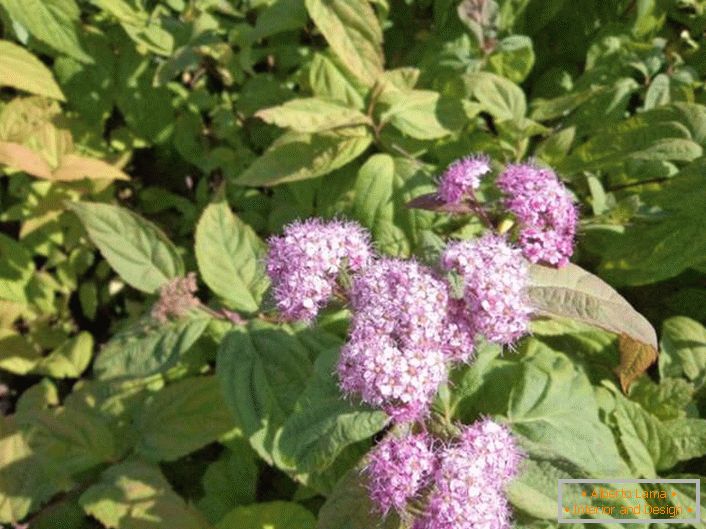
354, 34
51, 21
229, 255
136, 249
262, 369
383, 188
134, 495
270, 515
182, 418
312, 115
513, 58
683, 350
298, 156
322, 423
69, 360
572, 292
145, 349
328, 81
500, 97
23, 71
422, 114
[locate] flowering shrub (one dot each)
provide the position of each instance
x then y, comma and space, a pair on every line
348, 264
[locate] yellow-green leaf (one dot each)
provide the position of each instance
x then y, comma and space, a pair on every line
23, 71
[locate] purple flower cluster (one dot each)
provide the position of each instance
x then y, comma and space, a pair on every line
495, 277
399, 468
461, 177
305, 261
459, 486
394, 358
545, 211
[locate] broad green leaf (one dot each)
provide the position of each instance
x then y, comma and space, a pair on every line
54, 22
349, 506
16, 269
647, 252
513, 58
282, 15
263, 369
40, 396
182, 418
328, 81
666, 400
298, 156
312, 115
422, 114
135, 495
547, 109
136, 249
322, 423
500, 97
354, 34
658, 92
229, 254
572, 292
683, 350
17, 355
69, 360
230, 481
383, 188
24, 483
269, 515
145, 348
23, 71
552, 407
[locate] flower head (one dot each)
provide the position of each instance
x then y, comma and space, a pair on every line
305, 261
176, 298
459, 333
494, 446
399, 468
495, 277
461, 177
545, 211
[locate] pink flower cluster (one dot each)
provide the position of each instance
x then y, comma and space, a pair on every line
305, 261
394, 358
545, 211
460, 485
462, 177
495, 277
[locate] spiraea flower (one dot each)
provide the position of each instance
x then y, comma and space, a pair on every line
459, 333
305, 261
398, 469
176, 298
461, 177
469, 482
494, 446
394, 358
545, 211
495, 277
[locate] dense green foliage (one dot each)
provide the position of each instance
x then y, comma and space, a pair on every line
144, 139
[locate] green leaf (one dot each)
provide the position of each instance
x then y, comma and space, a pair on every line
383, 188
349, 507
263, 370
513, 58
269, 515
230, 481
572, 292
552, 408
354, 34
23, 71
422, 114
16, 270
69, 360
322, 423
134, 495
658, 92
683, 350
312, 115
24, 484
182, 418
647, 252
51, 21
144, 348
666, 400
298, 156
229, 254
500, 97
136, 249
328, 81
